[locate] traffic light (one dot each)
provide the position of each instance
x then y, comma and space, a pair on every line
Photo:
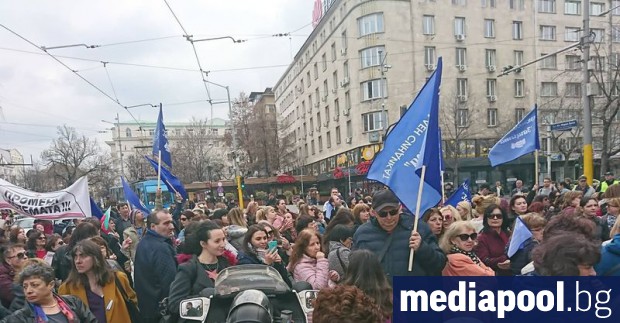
242, 182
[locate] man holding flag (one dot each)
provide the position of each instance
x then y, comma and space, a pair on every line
409, 165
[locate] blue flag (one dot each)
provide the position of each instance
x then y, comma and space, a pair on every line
442, 166
95, 210
406, 147
462, 194
173, 183
521, 140
160, 141
520, 234
133, 199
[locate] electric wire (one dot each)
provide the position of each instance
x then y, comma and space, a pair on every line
107, 73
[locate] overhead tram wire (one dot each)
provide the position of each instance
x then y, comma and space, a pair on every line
110, 80
72, 71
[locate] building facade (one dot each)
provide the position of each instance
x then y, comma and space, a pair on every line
11, 166
365, 61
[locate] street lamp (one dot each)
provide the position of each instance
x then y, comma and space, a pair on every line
120, 148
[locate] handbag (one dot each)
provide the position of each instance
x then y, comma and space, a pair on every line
134, 312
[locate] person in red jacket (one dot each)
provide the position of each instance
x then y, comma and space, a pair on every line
492, 241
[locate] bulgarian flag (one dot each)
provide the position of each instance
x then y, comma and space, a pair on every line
105, 221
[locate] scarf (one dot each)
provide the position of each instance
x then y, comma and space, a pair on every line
40, 317
469, 254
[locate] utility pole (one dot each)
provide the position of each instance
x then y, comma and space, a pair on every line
549, 150
383, 90
120, 148
588, 154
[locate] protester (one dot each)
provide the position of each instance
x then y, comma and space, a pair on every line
566, 255
308, 262
588, 208
450, 215
365, 272
53, 243
345, 304
342, 216
535, 224
254, 251
389, 236
361, 214
36, 244
613, 210
305, 222
610, 254
108, 255
62, 260
434, 219
13, 256
206, 243
492, 241
18, 290
17, 235
98, 286
123, 221
134, 233
518, 207
284, 246
43, 304
458, 243
155, 261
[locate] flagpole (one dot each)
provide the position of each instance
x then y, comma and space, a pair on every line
536, 166
417, 214
159, 170
443, 190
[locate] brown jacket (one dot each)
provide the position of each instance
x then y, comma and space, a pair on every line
118, 312
461, 265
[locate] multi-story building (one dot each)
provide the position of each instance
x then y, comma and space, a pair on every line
365, 61
134, 140
11, 165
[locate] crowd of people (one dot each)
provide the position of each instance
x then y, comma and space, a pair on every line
138, 267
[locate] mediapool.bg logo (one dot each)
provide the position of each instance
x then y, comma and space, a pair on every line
506, 299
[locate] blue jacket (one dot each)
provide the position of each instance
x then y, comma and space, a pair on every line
610, 257
155, 267
429, 259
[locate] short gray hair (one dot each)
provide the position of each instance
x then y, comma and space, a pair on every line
43, 271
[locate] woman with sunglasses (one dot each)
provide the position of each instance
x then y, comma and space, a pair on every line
492, 241
53, 243
36, 244
450, 215
13, 257
458, 243
184, 219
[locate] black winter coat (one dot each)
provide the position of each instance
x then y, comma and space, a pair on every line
25, 315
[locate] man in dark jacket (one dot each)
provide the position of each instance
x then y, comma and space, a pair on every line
13, 257
155, 265
389, 235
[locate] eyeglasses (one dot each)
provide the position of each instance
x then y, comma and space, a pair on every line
183, 219
495, 216
464, 236
60, 242
269, 233
383, 214
20, 255
447, 217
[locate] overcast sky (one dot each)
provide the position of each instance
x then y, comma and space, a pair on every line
38, 94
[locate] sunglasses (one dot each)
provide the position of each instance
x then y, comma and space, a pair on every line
495, 216
383, 214
464, 236
183, 219
269, 233
21, 255
60, 242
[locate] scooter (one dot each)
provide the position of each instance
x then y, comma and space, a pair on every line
251, 293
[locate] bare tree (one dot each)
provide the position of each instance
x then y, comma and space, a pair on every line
136, 167
36, 178
72, 156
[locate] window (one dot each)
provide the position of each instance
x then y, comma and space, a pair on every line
429, 56
459, 26
347, 100
372, 56
549, 89
152, 131
370, 24
327, 114
517, 4
335, 81
519, 88
338, 136
325, 90
599, 35
345, 69
547, 32
320, 143
328, 139
519, 114
573, 62
517, 30
489, 58
573, 90
615, 5
596, 8
349, 129
549, 62
372, 121
343, 41
312, 145
572, 7
518, 55
491, 85
311, 124
459, 2
128, 133
614, 61
461, 57
333, 49
462, 118
373, 89
489, 28
336, 108
308, 78
491, 117
316, 71
547, 6
428, 25
461, 87
599, 63
489, 3
615, 33
324, 61
572, 34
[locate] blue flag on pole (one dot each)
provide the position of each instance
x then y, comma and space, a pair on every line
519, 235
521, 140
406, 147
442, 166
160, 141
173, 183
133, 199
95, 210
462, 194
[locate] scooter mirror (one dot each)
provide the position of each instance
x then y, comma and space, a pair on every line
194, 308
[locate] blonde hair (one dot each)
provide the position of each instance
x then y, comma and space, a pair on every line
445, 243
261, 214
455, 214
466, 205
615, 229
235, 216
251, 208
534, 220
483, 202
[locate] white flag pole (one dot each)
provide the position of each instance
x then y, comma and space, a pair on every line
443, 190
158, 170
536, 166
416, 215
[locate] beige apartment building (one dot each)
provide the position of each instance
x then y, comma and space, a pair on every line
365, 57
